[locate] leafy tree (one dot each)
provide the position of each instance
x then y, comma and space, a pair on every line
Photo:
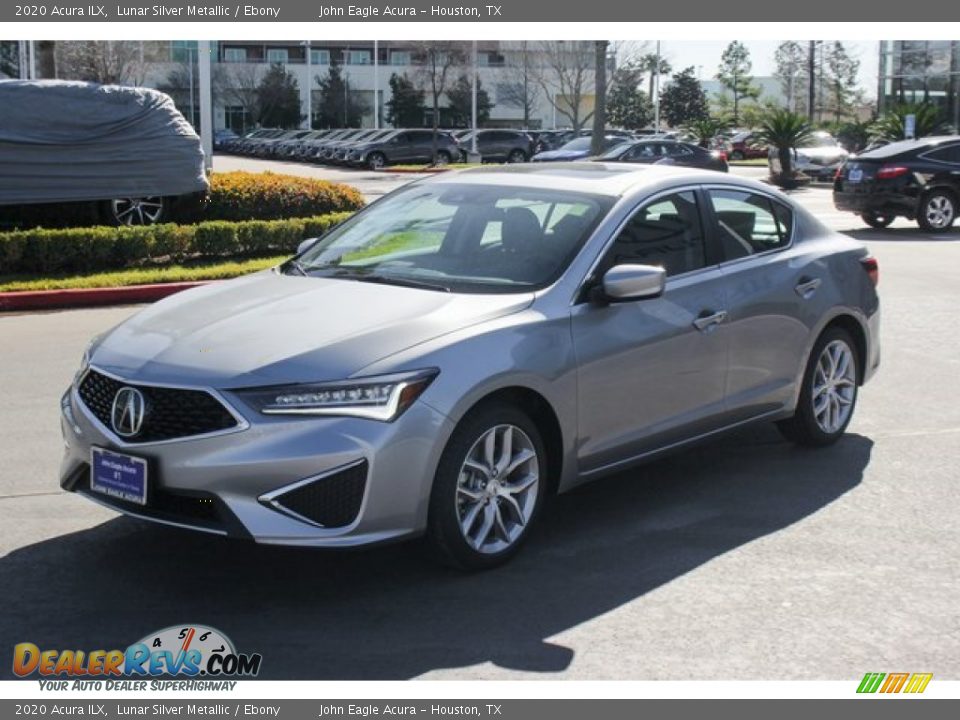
566, 75
438, 61
684, 100
460, 102
278, 97
853, 135
791, 62
734, 75
520, 89
892, 125
649, 64
627, 105
785, 131
405, 107
842, 75
339, 106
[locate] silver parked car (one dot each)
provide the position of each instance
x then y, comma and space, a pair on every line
450, 355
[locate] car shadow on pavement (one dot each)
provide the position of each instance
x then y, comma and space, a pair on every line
902, 235
389, 613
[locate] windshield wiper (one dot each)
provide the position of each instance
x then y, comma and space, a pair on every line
297, 265
394, 280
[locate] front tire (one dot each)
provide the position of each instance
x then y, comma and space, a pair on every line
377, 161
517, 156
137, 211
877, 220
489, 488
938, 210
829, 392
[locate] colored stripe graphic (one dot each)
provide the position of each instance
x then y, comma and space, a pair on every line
894, 682
870, 682
918, 682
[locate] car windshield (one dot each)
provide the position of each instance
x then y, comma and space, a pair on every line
581, 143
820, 141
461, 238
616, 151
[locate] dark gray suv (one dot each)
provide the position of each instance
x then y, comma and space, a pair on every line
404, 146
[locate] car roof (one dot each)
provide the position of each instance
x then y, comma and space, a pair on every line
598, 178
903, 146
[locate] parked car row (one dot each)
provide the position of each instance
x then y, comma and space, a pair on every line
377, 149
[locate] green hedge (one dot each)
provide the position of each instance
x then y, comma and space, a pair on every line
103, 248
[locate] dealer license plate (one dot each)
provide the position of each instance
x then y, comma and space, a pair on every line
855, 175
120, 476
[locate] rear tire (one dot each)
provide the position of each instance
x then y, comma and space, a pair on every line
517, 156
938, 210
878, 220
443, 158
487, 493
137, 211
828, 395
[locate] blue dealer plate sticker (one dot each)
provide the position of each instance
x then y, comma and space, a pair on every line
119, 476
856, 175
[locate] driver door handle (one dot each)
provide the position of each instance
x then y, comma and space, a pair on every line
807, 287
704, 323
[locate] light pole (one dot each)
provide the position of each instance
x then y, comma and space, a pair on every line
206, 103
376, 85
656, 92
309, 84
473, 103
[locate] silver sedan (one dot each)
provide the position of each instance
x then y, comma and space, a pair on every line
450, 355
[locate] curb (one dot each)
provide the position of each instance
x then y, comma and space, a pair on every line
90, 297
418, 171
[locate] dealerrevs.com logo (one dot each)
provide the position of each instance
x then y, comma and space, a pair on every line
892, 683
181, 650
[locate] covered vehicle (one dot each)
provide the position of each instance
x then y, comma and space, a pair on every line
127, 149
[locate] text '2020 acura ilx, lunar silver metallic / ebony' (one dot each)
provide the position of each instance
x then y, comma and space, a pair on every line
440, 362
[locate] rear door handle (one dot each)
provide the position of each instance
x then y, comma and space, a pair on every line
705, 323
807, 287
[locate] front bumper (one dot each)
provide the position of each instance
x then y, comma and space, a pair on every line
227, 484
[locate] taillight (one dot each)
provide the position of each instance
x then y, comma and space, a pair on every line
839, 173
721, 155
891, 171
872, 268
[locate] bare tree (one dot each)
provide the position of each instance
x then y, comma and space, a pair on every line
567, 74
439, 62
240, 86
567, 67
117, 62
520, 89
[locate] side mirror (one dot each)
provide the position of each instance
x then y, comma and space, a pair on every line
306, 245
622, 283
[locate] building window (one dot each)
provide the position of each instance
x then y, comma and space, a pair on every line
320, 57
401, 57
183, 51
236, 118
483, 59
358, 57
278, 55
237, 55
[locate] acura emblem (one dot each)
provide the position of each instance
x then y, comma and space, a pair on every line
129, 409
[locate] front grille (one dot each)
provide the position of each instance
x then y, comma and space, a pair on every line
171, 412
331, 501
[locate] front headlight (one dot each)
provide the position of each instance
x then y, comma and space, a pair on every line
384, 397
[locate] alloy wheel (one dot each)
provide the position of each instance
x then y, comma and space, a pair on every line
497, 489
137, 211
939, 211
834, 386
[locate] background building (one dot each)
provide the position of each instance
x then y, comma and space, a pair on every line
915, 71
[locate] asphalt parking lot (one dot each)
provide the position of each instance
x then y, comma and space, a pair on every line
743, 559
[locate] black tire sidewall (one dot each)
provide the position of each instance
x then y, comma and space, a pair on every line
872, 219
371, 159
443, 526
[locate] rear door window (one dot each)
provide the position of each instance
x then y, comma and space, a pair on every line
749, 223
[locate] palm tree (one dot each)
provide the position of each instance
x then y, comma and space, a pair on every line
784, 130
892, 125
706, 129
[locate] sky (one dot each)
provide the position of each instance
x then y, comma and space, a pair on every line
705, 56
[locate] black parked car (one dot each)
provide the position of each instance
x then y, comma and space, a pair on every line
511, 146
915, 179
404, 146
576, 149
666, 152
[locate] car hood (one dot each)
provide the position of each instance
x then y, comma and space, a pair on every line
269, 328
